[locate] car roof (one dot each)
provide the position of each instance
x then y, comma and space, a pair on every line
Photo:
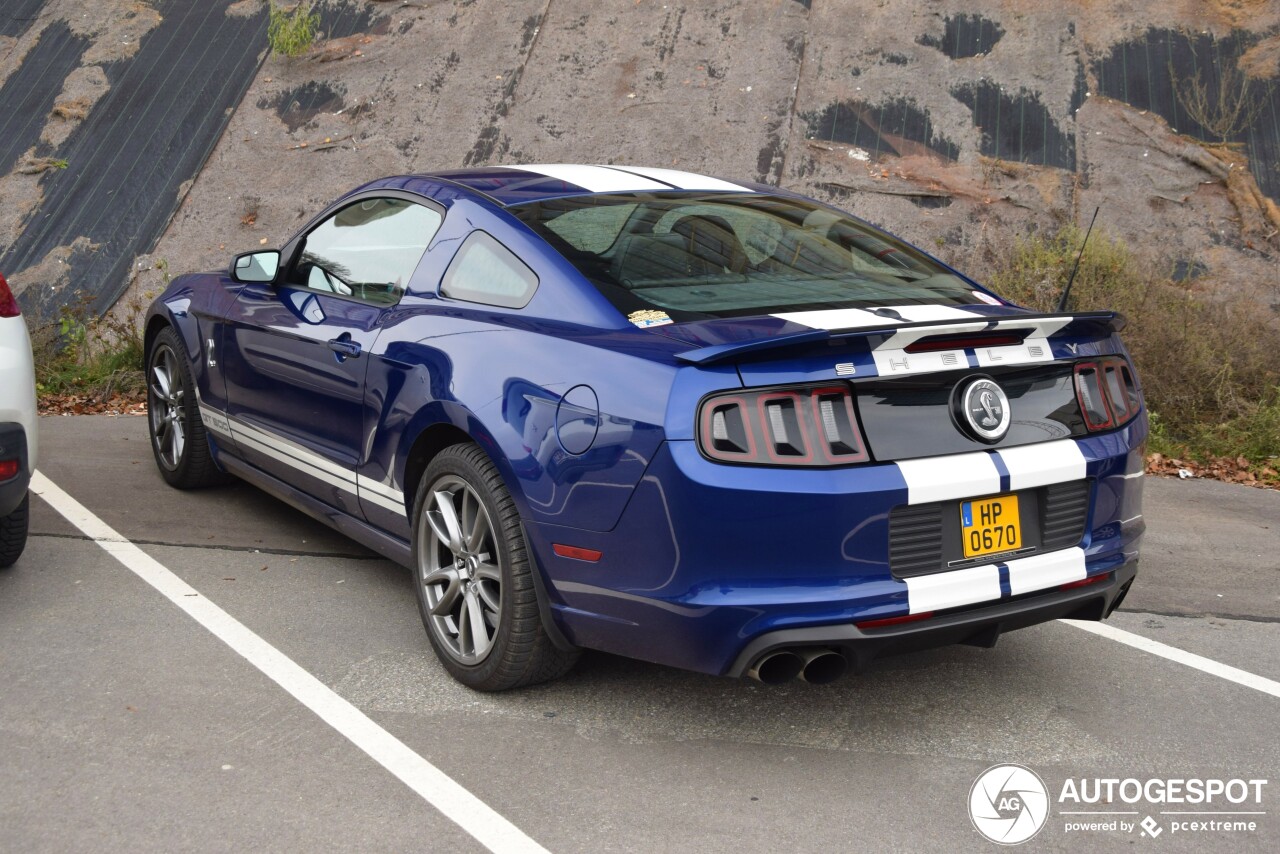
512, 185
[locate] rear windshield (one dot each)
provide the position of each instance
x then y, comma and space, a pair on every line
729, 254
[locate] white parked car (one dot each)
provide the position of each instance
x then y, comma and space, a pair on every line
17, 426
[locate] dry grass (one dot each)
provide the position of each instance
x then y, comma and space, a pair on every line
1210, 368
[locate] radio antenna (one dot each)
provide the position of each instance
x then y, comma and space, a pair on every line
1066, 292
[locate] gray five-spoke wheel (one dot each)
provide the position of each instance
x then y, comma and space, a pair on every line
460, 571
165, 407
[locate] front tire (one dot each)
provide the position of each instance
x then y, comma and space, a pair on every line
178, 439
474, 584
13, 533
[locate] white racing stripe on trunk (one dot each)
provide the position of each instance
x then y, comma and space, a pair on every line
953, 589
837, 318
898, 362
944, 478
683, 180
1044, 326
931, 313
1029, 351
596, 179
1038, 465
1047, 570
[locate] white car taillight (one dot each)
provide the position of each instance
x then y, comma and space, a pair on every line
8, 305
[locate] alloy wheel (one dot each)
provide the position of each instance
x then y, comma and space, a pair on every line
459, 568
165, 402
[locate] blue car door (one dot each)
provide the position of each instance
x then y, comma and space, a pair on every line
296, 351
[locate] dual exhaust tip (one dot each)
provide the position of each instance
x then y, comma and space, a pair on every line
815, 665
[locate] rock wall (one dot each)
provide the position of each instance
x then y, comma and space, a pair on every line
960, 124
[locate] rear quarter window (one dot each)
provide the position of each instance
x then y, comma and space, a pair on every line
484, 271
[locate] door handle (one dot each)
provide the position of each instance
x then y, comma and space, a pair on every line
345, 347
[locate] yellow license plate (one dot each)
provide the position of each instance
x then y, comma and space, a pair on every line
990, 525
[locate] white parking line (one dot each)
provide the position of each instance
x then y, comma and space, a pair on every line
1190, 659
457, 804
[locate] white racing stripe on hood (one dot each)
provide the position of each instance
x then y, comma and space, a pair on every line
952, 589
1047, 570
683, 180
596, 179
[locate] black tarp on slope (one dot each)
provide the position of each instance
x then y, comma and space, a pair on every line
152, 131
28, 95
1158, 70
149, 133
17, 15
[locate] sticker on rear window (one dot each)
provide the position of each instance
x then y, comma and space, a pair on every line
649, 317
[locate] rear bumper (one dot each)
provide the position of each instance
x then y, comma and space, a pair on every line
707, 560
980, 626
13, 445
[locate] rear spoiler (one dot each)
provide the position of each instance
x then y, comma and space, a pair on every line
1087, 323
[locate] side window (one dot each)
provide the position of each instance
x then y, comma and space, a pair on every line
368, 250
487, 272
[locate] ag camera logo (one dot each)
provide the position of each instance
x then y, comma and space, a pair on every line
1008, 804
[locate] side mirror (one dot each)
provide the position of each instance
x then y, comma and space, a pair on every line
256, 266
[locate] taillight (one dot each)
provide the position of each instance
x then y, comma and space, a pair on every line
8, 305
8, 469
1107, 392
803, 426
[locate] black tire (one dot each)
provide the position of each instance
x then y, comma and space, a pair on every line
497, 571
13, 532
173, 416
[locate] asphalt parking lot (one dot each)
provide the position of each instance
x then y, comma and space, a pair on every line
126, 724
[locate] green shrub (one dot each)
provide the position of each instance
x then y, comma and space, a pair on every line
292, 32
1209, 367
83, 354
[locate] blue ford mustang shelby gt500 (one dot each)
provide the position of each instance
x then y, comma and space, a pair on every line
714, 425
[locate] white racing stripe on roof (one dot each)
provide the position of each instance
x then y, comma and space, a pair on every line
1039, 465
1047, 570
953, 589
954, 476
683, 180
595, 179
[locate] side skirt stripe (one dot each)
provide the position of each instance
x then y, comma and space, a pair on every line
305, 461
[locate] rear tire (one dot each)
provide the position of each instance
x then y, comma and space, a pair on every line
178, 438
473, 580
13, 532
